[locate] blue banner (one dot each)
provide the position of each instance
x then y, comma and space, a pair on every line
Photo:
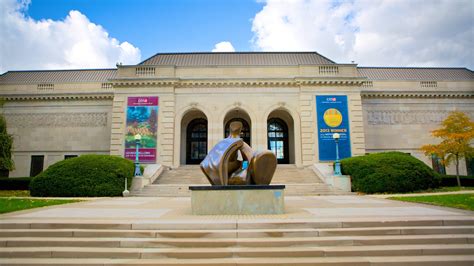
333, 118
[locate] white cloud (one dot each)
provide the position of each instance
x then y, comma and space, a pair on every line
74, 42
223, 47
376, 32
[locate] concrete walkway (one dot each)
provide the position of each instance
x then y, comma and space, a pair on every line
317, 208
384, 196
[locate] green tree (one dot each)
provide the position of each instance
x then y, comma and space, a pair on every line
456, 133
6, 144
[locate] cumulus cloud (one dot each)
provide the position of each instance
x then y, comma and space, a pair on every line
223, 47
376, 32
74, 42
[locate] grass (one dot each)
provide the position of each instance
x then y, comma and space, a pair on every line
14, 204
14, 193
459, 201
445, 189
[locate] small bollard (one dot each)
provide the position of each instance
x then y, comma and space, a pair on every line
126, 193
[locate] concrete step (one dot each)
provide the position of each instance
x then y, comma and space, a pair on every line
240, 225
427, 260
182, 190
237, 252
175, 182
234, 242
240, 233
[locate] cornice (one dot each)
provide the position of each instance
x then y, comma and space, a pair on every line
418, 94
62, 97
199, 83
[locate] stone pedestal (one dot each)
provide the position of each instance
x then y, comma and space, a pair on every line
252, 199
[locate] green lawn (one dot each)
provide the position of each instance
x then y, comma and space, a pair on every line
445, 189
459, 201
14, 204
14, 193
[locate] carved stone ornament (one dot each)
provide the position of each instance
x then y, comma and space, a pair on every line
57, 120
395, 117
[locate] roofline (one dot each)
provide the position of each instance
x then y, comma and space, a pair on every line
465, 68
249, 52
58, 70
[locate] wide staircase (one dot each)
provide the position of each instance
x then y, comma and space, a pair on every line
175, 182
239, 242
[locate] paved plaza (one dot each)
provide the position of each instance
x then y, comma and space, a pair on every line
166, 209
315, 230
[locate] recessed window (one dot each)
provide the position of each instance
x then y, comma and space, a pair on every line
470, 166
438, 165
69, 156
37, 164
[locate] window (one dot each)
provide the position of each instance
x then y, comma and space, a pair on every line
277, 131
438, 165
37, 163
69, 156
470, 166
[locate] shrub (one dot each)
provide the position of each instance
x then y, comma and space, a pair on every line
84, 176
390, 172
15, 183
450, 181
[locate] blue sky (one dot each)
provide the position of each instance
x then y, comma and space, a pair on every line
70, 34
163, 26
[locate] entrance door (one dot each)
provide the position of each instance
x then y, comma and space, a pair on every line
278, 139
196, 141
245, 134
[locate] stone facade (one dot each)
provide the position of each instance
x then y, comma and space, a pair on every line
73, 117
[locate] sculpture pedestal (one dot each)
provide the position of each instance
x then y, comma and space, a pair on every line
252, 199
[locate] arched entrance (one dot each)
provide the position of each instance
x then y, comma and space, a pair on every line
280, 136
196, 141
244, 118
278, 139
194, 135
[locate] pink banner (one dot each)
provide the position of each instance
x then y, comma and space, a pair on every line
142, 119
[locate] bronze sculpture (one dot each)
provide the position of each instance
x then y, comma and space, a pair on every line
222, 167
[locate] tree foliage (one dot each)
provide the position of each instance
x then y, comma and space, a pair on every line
6, 144
456, 134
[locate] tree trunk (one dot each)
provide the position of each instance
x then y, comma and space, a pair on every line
457, 171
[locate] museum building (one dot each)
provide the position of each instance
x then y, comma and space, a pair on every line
182, 103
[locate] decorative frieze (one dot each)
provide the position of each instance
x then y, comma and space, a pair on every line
405, 94
396, 117
39, 120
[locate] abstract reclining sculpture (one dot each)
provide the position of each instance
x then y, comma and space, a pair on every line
222, 167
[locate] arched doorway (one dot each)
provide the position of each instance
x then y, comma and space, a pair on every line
196, 141
278, 140
241, 116
245, 135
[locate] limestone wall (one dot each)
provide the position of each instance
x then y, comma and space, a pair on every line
404, 124
56, 128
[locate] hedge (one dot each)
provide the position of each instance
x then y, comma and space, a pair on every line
450, 181
389, 172
15, 183
84, 176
